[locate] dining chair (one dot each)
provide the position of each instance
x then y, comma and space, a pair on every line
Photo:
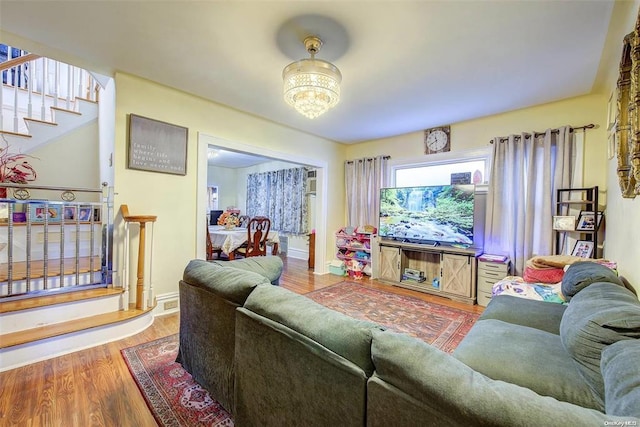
211, 250
257, 234
244, 220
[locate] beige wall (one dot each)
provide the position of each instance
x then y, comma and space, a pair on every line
476, 134
623, 215
173, 198
465, 136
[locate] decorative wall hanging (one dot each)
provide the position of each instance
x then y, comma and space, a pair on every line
157, 146
627, 130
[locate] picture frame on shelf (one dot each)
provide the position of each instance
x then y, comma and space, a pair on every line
583, 249
587, 221
41, 211
564, 223
69, 213
84, 214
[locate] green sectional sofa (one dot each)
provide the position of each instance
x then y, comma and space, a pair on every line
275, 358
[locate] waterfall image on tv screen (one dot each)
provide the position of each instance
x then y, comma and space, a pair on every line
441, 214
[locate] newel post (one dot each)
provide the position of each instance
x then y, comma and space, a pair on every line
142, 220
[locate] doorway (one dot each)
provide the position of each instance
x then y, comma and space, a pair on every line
262, 155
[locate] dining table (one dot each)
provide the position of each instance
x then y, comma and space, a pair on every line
231, 239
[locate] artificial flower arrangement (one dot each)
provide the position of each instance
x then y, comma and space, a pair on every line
14, 168
229, 220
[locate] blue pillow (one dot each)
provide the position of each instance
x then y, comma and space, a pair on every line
600, 315
621, 371
581, 274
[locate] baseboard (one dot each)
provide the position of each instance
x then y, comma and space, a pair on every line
167, 303
297, 253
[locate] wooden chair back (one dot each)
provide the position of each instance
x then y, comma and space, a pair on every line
257, 233
244, 220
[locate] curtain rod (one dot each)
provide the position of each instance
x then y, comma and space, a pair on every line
585, 127
368, 159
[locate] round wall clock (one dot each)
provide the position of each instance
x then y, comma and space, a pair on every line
437, 140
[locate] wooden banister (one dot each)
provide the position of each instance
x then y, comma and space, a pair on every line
17, 61
142, 221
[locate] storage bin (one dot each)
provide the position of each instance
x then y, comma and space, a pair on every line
338, 268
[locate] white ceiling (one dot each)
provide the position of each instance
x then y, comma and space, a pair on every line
233, 159
406, 65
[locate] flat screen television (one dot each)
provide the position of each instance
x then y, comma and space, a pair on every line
440, 214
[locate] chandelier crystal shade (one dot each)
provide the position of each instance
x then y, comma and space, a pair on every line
312, 86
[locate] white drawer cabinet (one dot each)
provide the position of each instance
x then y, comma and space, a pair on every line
489, 272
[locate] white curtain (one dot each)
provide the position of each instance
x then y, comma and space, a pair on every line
363, 180
526, 171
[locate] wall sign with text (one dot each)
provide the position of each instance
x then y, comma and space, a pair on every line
157, 146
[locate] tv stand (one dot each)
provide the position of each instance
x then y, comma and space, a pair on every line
454, 269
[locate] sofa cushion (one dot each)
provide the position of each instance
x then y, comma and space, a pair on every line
230, 283
344, 335
579, 275
539, 314
267, 266
620, 367
416, 384
527, 357
599, 315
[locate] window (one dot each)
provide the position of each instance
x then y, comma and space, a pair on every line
440, 172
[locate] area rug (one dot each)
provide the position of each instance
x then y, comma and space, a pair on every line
436, 324
176, 400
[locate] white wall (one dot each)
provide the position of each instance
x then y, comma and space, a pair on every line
226, 180
69, 161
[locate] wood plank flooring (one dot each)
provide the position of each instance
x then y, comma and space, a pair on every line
93, 387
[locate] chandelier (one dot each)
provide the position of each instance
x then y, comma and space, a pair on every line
312, 86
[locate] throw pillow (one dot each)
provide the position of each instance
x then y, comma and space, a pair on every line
600, 315
621, 373
579, 275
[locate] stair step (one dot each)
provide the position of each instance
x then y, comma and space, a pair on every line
16, 134
19, 271
59, 298
29, 121
50, 331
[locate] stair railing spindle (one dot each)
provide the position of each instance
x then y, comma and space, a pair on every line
56, 83
68, 99
15, 103
2, 101
30, 90
44, 88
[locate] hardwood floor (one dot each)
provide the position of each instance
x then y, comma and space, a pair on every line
93, 387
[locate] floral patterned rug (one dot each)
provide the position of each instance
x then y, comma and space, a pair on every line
175, 399
438, 325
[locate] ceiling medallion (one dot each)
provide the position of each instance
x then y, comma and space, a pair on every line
312, 86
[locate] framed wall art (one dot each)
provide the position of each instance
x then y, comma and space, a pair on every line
157, 146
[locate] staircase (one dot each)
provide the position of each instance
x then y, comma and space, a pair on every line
41, 101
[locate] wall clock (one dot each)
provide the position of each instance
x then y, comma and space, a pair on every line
437, 140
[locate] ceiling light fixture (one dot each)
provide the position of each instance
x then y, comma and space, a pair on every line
312, 86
